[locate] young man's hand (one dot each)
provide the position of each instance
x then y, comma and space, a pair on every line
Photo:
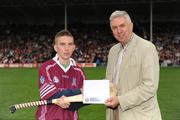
62, 102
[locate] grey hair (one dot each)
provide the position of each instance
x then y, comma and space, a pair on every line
119, 13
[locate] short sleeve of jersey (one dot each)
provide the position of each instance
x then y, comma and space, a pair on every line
46, 86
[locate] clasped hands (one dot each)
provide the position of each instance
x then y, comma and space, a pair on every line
63, 102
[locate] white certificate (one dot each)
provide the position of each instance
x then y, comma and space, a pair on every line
95, 91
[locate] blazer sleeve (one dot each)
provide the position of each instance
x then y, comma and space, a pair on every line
147, 89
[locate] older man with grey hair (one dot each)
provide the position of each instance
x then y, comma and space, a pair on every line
133, 68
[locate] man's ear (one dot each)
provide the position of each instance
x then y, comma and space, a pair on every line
55, 48
132, 25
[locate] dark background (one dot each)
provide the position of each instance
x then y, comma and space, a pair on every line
85, 11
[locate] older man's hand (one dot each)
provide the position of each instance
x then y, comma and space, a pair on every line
112, 102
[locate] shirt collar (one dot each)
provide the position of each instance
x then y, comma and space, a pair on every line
72, 63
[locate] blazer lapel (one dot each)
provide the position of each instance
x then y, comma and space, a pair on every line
127, 56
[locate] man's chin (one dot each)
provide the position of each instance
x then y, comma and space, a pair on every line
67, 58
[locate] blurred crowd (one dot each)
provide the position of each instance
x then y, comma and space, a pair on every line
167, 40
24, 43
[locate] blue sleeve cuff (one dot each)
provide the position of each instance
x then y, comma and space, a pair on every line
67, 92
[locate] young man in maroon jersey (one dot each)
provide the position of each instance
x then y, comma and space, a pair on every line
60, 77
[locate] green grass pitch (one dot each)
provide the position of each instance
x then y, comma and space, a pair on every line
19, 85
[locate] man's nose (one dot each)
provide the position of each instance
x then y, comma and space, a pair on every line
66, 47
119, 30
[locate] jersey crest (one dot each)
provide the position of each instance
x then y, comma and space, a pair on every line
74, 82
55, 79
42, 79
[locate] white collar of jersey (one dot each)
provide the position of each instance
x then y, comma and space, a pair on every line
72, 63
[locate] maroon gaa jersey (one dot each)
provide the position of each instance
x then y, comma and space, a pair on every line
53, 78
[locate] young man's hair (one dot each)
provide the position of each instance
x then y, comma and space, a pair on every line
63, 33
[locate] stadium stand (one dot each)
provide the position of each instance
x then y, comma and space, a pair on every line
33, 44
27, 28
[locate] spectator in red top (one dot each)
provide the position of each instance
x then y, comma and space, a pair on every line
60, 77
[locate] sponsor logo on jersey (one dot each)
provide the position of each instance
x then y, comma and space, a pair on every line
55, 79
65, 76
74, 82
42, 79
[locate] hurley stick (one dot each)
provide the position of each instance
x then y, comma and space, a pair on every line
75, 98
